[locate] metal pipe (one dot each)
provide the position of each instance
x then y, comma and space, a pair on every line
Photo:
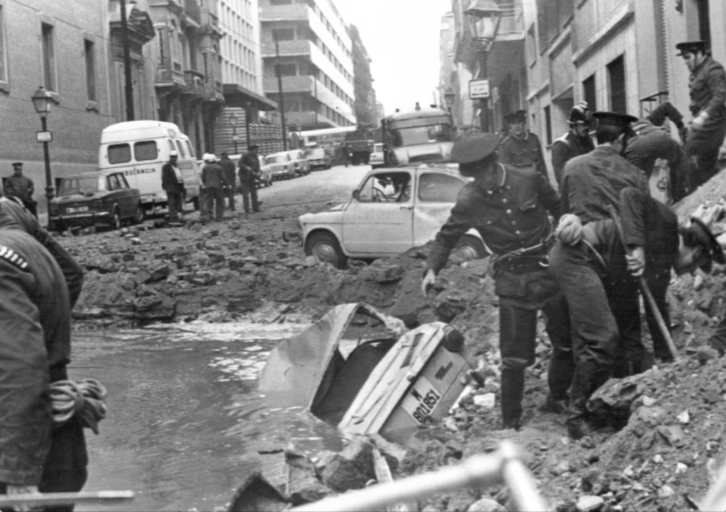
282, 102
522, 486
65, 498
129, 89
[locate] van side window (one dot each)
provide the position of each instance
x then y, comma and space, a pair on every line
191, 149
112, 181
182, 153
171, 145
145, 150
119, 154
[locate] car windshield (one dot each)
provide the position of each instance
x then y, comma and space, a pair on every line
378, 148
422, 135
84, 186
275, 159
315, 153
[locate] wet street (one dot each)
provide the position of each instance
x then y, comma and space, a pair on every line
185, 425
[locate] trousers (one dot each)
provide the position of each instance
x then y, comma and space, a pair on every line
249, 195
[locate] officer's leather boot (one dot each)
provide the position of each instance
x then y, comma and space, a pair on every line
512, 392
559, 379
635, 367
577, 422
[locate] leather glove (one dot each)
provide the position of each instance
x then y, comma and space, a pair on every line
569, 230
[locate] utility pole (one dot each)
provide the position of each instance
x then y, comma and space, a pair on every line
282, 103
129, 89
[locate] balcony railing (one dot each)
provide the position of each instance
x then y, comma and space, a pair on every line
194, 81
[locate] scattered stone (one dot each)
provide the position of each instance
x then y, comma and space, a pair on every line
665, 492
486, 401
486, 505
681, 468
136, 241
589, 503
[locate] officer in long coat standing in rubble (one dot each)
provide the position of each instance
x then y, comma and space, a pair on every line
575, 142
707, 130
521, 148
508, 206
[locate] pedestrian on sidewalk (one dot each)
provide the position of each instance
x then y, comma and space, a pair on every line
575, 142
229, 177
249, 171
509, 208
20, 186
172, 181
213, 181
594, 255
707, 130
36, 453
521, 148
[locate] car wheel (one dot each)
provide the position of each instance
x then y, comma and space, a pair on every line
116, 220
326, 249
470, 248
139, 215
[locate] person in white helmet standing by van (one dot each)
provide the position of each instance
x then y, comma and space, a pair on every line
172, 182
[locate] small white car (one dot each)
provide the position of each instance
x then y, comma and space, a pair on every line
279, 165
391, 211
377, 159
299, 162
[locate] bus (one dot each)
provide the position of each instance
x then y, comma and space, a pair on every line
325, 137
418, 136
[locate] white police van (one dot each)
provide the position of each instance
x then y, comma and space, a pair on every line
139, 149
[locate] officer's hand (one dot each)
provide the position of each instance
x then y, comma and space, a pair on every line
569, 230
13, 489
428, 281
636, 260
699, 121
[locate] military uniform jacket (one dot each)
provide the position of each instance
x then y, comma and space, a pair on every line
19, 186
708, 90
228, 169
34, 351
566, 148
523, 152
595, 180
509, 210
249, 167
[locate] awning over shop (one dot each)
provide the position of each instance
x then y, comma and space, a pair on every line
236, 96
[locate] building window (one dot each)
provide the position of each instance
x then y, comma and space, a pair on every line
90, 54
3, 47
49, 76
283, 34
548, 124
616, 75
588, 92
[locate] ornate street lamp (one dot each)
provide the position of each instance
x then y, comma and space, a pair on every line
42, 101
449, 97
483, 18
232, 119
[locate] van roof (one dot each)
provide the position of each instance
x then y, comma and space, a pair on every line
135, 130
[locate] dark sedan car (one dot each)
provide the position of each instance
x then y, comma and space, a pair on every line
93, 198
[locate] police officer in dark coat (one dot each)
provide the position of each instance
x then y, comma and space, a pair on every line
172, 181
575, 142
521, 148
509, 208
228, 168
35, 345
652, 245
249, 171
708, 93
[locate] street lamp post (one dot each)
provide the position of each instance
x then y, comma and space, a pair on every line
42, 101
449, 97
232, 118
248, 112
483, 17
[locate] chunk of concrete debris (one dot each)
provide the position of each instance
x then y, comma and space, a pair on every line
486, 401
684, 417
666, 491
590, 503
486, 505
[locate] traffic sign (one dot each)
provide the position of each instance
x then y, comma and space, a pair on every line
478, 89
44, 136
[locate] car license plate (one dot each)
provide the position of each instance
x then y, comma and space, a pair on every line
421, 400
77, 209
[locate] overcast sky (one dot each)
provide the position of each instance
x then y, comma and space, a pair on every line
402, 39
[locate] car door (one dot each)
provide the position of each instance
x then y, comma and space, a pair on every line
436, 195
114, 194
379, 222
127, 196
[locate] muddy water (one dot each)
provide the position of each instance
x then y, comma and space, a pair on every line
185, 425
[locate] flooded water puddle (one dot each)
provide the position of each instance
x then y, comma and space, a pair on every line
186, 424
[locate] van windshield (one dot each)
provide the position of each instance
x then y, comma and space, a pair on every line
119, 154
422, 135
84, 186
145, 150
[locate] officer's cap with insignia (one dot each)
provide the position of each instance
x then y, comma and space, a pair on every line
17, 164
692, 47
471, 150
614, 119
518, 116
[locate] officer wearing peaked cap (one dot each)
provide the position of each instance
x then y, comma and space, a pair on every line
707, 130
575, 142
509, 208
521, 148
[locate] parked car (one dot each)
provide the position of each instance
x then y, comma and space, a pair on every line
377, 160
317, 158
92, 198
279, 165
299, 162
391, 211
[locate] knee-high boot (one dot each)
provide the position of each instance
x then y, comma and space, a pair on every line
512, 393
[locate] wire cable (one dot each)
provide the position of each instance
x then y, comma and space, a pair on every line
86, 400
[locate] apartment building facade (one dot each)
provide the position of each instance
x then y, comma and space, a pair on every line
315, 62
63, 48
